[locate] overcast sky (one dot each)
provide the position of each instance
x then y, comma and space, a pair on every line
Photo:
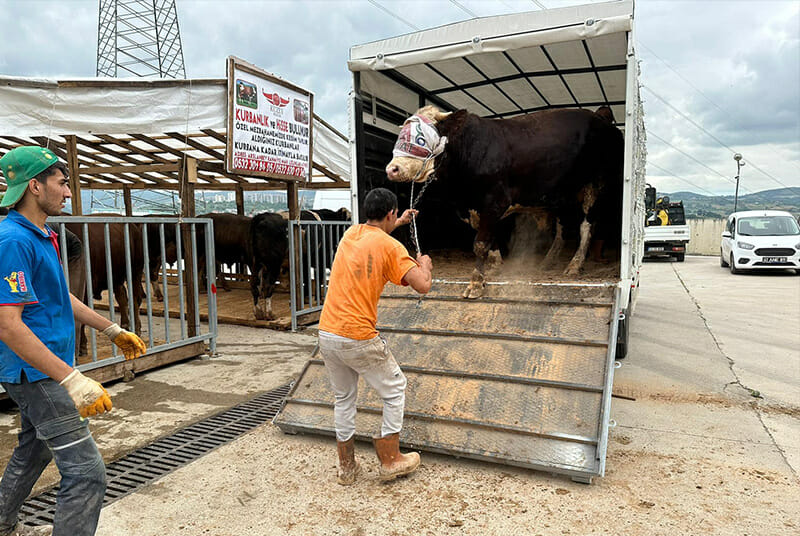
730, 67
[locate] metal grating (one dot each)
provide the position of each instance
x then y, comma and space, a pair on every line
167, 454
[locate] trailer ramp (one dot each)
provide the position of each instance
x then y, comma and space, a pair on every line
521, 376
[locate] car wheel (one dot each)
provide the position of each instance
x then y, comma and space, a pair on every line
722, 262
680, 256
734, 270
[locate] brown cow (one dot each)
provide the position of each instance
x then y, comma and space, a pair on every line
97, 256
565, 161
232, 244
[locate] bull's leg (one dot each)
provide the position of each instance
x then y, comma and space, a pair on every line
83, 345
155, 284
555, 247
138, 296
483, 243
121, 294
221, 281
574, 267
255, 290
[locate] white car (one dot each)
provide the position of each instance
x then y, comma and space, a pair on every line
760, 239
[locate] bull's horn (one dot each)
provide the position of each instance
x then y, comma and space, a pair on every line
438, 116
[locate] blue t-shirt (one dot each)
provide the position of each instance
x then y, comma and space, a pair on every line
31, 275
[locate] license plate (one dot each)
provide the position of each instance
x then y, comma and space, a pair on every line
655, 248
775, 260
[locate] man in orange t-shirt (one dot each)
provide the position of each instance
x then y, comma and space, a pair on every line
366, 259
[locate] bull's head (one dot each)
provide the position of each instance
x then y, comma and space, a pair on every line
417, 146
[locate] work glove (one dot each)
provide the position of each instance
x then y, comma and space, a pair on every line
90, 397
130, 343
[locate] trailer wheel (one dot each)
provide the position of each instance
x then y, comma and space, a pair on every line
680, 256
622, 335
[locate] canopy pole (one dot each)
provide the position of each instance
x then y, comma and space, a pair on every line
126, 196
188, 179
240, 201
74, 174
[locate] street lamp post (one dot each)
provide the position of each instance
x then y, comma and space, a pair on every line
739, 164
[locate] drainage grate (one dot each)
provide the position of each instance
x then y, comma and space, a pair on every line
161, 457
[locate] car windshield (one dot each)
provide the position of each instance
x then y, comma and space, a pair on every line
768, 226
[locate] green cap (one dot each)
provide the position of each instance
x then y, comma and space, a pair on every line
19, 166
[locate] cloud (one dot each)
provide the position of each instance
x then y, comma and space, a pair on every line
743, 56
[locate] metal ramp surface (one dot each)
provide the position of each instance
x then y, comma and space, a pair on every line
521, 376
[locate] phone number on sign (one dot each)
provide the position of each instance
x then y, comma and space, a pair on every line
248, 164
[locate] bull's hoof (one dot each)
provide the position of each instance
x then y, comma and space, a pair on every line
259, 314
473, 291
573, 270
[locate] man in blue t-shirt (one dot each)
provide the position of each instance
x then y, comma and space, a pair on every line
37, 352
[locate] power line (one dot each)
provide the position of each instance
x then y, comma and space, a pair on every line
401, 19
710, 100
464, 9
671, 174
662, 99
690, 157
541, 5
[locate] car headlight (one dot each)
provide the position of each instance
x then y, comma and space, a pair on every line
797, 246
744, 245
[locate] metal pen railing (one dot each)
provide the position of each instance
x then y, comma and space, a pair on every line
312, 246
138, 232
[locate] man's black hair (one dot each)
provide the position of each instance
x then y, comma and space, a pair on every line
42, 177
378, 203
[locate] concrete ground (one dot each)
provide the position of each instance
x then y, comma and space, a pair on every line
709, 445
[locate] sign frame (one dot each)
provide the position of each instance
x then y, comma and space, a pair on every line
234, 64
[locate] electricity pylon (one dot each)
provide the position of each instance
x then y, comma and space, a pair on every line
139, 38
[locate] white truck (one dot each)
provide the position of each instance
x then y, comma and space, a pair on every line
522, 375
669, 234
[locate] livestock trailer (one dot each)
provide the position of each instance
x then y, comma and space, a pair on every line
523, 375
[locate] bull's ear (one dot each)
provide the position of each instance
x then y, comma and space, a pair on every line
438, 116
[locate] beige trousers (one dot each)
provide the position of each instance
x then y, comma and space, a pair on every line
346, 360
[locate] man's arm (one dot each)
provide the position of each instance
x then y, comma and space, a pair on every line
86, 316
420, 277
405, 219
21, 340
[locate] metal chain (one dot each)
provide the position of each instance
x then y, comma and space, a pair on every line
413, 204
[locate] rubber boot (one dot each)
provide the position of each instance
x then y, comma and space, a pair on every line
393, 462
348, 466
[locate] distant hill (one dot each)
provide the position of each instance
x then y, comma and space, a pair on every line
705, 206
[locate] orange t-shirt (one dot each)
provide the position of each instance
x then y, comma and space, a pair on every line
366, 258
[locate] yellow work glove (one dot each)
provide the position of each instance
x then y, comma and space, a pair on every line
90, 397
130, 343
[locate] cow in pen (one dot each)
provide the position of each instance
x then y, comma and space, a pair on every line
567, 163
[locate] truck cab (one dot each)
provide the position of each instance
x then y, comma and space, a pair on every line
666, 232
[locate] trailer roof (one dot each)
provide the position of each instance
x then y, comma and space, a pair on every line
505, 65
134, 133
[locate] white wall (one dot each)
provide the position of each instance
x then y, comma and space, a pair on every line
706, 234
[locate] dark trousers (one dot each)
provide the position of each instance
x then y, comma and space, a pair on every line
52, 429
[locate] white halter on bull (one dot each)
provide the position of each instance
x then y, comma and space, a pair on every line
419, 139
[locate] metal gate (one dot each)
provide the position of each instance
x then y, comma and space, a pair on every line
312, 246
104, 241
522, 376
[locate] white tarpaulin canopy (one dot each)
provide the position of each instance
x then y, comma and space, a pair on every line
138, 122
504, 65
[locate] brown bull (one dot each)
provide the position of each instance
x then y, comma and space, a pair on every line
566, 162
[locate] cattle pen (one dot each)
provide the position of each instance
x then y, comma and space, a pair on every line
523, 374
130, 136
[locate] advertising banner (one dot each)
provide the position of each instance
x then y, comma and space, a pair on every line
269, 125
